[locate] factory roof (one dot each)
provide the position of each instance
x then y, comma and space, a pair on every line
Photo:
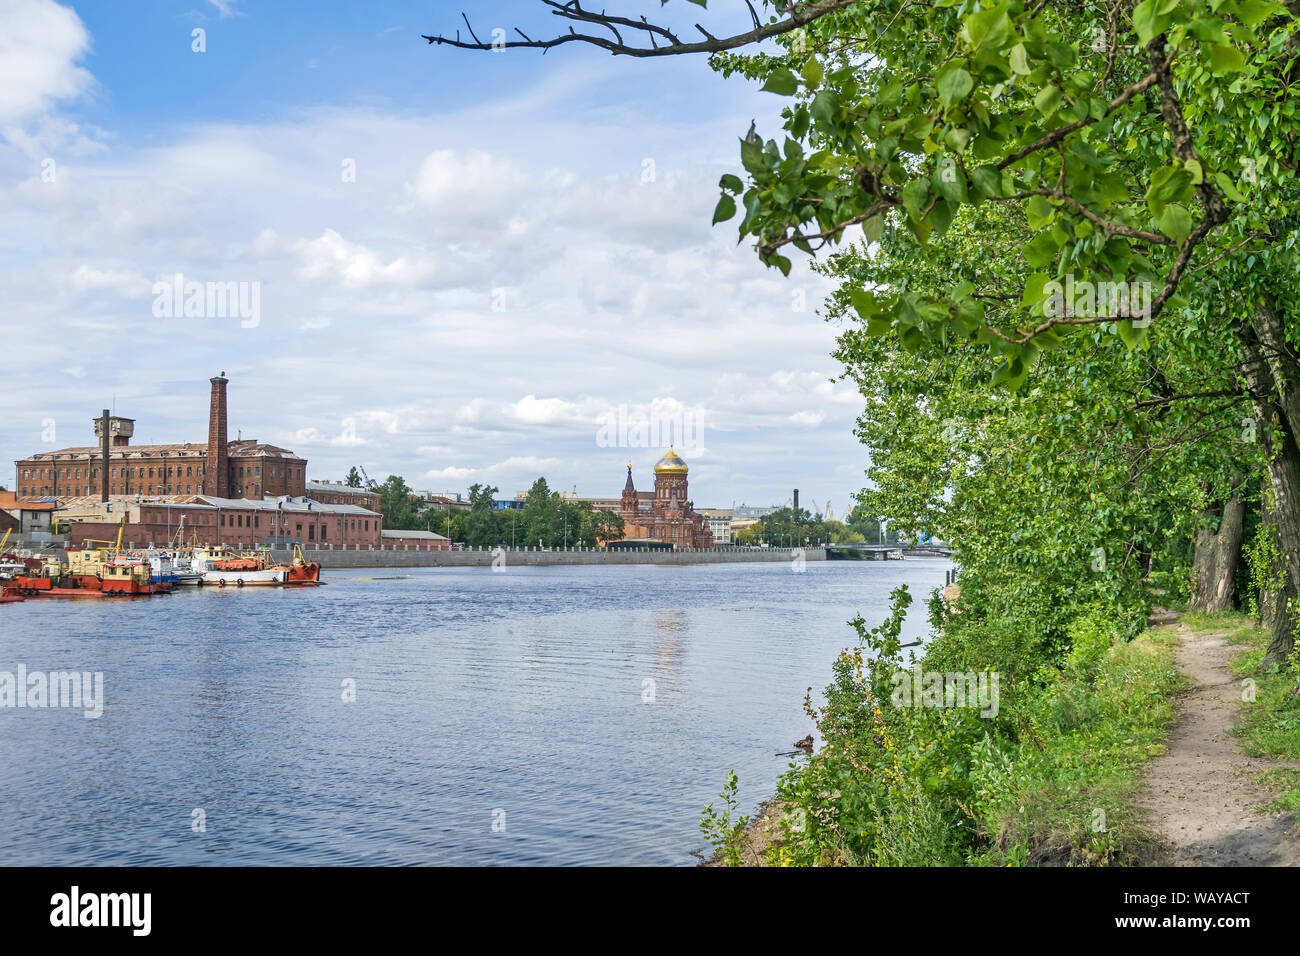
235, 449
286, 503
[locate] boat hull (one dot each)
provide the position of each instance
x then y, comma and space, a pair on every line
269, 577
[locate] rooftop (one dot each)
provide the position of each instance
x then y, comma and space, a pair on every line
422, 535
235, 449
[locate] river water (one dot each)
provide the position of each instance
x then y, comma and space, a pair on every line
562, 715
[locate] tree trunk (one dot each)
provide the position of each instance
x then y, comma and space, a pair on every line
1215, 562
1276, 570
1202, 561
1273, 380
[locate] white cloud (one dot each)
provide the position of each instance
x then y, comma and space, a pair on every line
355, 266
39, 49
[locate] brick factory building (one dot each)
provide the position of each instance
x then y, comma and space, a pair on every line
243, 492
275, 522
243, 468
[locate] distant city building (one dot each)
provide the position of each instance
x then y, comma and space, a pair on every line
719, 523
338, 493
24, 516
445, 502
671, 516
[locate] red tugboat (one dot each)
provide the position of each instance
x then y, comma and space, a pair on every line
302, 573
130, 576
47, 577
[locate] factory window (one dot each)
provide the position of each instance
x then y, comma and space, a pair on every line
189, 471
150, 472
367, 528
223, 521
140, 473
257, 521
324, 529
311, 532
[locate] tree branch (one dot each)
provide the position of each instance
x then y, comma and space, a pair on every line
799, 15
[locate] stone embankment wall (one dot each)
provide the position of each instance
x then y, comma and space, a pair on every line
534, 558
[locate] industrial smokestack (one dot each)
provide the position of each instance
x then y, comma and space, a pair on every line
796, 499
103, 456
215, 477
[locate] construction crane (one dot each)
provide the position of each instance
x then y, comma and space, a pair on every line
370, 482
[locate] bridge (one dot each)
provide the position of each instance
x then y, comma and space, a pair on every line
864, 552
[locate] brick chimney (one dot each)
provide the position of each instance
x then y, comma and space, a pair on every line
216, 480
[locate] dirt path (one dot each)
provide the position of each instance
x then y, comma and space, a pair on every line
1198, 798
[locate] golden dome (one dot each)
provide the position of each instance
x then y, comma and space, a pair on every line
670, 464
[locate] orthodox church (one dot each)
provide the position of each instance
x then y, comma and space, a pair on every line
671, 517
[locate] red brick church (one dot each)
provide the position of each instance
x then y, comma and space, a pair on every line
671, 517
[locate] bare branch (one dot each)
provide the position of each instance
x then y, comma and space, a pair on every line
799, 15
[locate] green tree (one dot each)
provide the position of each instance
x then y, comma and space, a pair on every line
481, 526
397, 505
541, 515
354, 478
606, 526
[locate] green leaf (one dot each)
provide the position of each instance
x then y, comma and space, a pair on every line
1020, 60
1251, 12
1033, 293
1175, 222
1228, 187
823, 106
1048, 99
988, 180
954, 84
1148, 21
781, 82
1039, 212
1132, 335
733, 183
948, 181
988, 27
725, 209
1226, 59
813, 73
865, 303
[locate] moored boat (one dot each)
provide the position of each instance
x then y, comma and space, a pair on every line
130, 576
303, 573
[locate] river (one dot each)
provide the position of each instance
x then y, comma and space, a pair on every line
557, 715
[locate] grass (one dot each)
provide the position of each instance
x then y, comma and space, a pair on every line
1074, 804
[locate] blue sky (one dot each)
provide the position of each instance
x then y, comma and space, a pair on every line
524, 248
